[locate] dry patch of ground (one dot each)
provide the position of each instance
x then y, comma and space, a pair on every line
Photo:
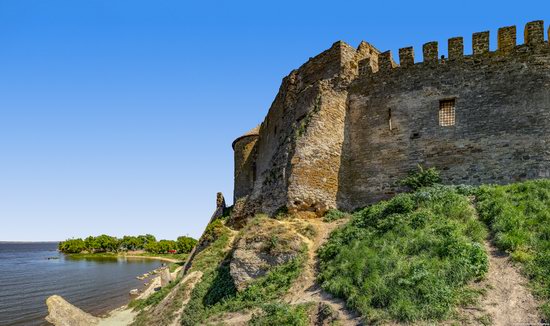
507, 299
167, 312
305, 288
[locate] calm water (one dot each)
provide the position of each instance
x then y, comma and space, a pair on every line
96, 285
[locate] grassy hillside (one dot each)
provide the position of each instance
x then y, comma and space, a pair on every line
216, 293
415, 258
519, 217
407, 259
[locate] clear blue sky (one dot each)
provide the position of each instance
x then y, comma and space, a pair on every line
118, 116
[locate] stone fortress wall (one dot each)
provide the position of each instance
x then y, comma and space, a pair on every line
350, 123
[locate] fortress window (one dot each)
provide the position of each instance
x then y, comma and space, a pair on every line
447, 113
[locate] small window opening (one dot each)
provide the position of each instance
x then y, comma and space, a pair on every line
389, 119
447, 113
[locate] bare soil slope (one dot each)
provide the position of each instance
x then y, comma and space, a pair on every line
507, 300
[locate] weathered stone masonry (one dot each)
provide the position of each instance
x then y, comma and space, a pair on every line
350, 123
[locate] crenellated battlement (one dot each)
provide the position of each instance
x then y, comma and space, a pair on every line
534, 38
350, 123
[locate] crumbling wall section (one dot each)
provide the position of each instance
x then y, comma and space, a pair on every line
303, 133
245, 165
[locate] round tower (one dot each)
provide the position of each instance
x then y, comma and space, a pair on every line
244, 148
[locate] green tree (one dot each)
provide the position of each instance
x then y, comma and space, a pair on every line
146, 239
185, 244
130, 243
72, 246
162, 246
90, 243
105, 243
152, 247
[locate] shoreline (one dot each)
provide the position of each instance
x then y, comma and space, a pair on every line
125, 315
171, 260
121, 314
117, 255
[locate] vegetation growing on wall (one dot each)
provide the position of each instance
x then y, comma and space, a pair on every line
519, 216
406, 259
422, 178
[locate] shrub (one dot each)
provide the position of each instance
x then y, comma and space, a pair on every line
421, 178
406, 259
308, 231
333, 215
213, 231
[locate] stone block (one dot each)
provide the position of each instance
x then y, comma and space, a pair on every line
430, 51
507, 38
480, 43
456, 48
534, 33
385, 61
406, 57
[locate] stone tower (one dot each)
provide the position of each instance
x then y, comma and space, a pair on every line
350, 123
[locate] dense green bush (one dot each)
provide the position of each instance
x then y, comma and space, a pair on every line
408, 258
72, 246
422, 178
519, 216
213, 231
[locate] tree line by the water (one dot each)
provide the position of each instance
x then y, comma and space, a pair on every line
147, 242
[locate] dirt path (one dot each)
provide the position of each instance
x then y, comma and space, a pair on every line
306, 289
508, 300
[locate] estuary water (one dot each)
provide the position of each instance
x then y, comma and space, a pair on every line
28, 278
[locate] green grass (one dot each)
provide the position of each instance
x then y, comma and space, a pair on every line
93, 255
333, 215
216, 293
407, 259
153, 299
282, 314
519, 217
167, 313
